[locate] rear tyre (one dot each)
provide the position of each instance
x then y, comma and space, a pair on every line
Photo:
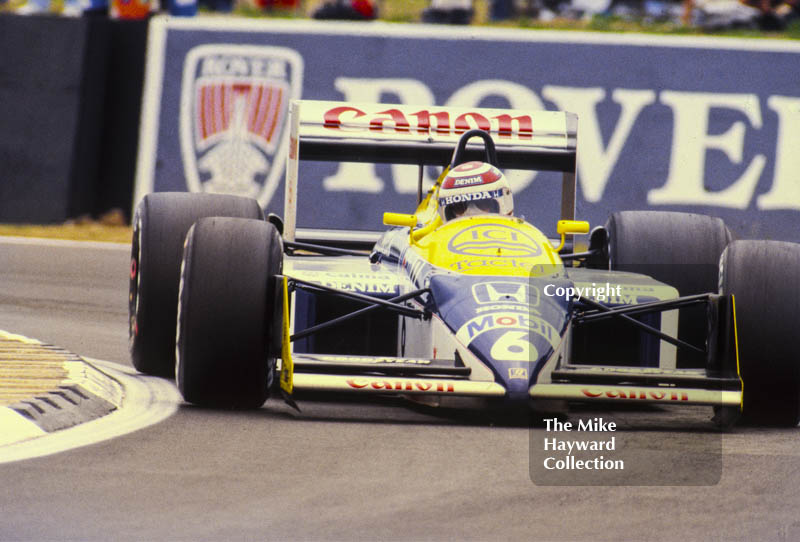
679, 249
159, 227
228, 317
762, 276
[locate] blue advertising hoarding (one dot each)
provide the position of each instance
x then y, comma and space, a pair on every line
705, 125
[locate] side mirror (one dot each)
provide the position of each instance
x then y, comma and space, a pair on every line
564, 227
399, 219
572, 226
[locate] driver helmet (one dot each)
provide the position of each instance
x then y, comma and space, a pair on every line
474, 188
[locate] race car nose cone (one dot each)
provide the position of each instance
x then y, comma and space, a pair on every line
517, 392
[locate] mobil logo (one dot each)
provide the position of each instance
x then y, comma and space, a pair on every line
234, 104
495, 240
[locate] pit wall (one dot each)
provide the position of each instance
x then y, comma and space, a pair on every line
70, 95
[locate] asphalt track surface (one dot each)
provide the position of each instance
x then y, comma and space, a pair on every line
347, 471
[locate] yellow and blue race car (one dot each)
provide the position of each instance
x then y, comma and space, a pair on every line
461, 298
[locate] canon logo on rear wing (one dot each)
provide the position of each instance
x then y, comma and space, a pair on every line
425, 122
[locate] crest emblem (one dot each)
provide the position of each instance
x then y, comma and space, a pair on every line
234, 107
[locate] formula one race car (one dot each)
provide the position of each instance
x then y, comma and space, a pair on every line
657, 307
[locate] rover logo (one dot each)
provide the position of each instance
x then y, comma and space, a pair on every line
234, 107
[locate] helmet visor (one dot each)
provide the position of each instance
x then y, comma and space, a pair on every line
467, 208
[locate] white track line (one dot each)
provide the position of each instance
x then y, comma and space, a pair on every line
147, 401
62, 243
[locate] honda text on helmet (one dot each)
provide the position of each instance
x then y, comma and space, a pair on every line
474, 188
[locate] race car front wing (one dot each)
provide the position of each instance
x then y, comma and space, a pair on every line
718, 384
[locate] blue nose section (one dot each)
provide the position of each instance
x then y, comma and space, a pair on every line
517, 391
506, 322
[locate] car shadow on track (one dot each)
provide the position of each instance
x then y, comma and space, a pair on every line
399, 411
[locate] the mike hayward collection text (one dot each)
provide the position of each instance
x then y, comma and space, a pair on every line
566, 460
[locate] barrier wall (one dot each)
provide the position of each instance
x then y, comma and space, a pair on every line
126, 59
70, 94
53, 75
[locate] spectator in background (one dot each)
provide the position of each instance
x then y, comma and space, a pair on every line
769, 15
448, 12
500, 10
279, 4
775, 14
223, 6
353, 10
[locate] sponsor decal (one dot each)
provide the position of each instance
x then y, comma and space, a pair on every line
467, 181
471, 174
494, 240
365, 283
595, 393
518, 372
425, 122
418, 386
363, 287
505, 292
479, 325
372, 360
499, 308
234, 105
535, 269
474, 196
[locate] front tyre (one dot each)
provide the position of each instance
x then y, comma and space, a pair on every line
762, 276
227, 318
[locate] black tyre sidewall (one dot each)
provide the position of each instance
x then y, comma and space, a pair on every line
763, 277
679, 249
227, 317
160, 223
660, 243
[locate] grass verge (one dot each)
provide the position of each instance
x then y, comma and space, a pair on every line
92, 231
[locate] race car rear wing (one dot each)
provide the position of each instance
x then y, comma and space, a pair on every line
427, 135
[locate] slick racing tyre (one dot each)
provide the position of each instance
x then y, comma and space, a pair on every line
159, 227
664, 244
762, 276
679, 249
228, 316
